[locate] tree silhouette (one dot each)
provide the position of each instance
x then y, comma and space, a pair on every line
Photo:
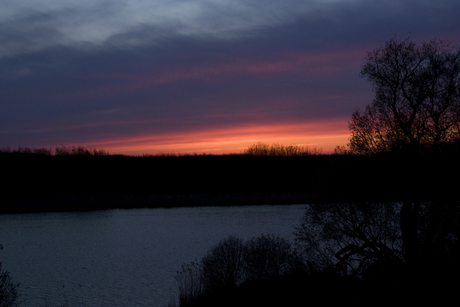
416, 110
406, 239
349, 237
267, 256
417, 99
222, 266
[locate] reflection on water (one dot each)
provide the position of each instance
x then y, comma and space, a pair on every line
122, 257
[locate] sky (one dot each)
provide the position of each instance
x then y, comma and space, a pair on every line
196, 76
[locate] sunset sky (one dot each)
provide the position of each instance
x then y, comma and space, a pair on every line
206, 76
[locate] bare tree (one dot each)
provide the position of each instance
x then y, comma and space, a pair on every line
348, 237
422, 237
269, 255
222, 266
417, 98
416, 110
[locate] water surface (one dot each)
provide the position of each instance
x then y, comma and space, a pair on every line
122, 257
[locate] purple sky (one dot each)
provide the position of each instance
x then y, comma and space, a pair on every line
134, 77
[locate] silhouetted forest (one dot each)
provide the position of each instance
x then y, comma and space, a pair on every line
36, 181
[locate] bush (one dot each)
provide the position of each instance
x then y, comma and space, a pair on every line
9, 294
222, 266
79, 151
231, 263
189, 282
268, 255
279, 150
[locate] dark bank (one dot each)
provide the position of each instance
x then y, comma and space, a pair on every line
37, 182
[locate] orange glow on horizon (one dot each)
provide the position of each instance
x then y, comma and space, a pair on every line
324, 135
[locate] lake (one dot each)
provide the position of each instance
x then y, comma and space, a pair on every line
122, 257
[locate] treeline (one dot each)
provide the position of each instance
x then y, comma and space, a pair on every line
36, 182
276, 149
150, 181
256, 149
58, 151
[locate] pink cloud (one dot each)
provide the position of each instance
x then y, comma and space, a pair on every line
288, 62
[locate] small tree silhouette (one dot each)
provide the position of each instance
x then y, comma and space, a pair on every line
222, 266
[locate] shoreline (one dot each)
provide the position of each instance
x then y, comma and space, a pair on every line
156, 201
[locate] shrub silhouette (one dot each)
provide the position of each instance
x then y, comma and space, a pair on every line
222, 266
268, 255
189, 282
79, 151
279, 150
9, 294
232, 263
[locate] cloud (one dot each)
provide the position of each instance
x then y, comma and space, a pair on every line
30, 26
87, 71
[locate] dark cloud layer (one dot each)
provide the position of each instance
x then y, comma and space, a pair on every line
103, 71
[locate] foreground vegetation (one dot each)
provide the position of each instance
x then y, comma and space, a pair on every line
347, 253
9, 291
